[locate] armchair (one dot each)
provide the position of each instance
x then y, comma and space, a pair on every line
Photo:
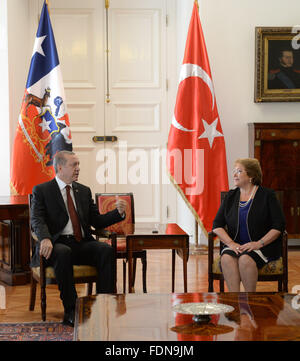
45, 275
106, 202
273, 271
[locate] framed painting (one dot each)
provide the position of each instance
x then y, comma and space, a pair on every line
277, 64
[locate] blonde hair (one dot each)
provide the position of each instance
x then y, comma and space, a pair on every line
252, 168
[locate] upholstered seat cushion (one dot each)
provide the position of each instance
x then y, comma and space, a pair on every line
271, 268
79, 271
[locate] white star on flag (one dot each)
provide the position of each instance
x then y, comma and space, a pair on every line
45, 125
37, 48
210, 131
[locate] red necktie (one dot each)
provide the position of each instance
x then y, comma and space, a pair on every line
73, 216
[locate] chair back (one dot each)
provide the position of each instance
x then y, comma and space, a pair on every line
107, 202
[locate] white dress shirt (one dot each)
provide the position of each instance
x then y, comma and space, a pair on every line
62, 186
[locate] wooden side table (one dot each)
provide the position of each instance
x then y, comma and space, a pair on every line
162, 236
14, 240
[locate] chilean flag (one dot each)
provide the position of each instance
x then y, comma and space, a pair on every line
196, 156
43, 128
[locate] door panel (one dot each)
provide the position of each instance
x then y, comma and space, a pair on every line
137, 110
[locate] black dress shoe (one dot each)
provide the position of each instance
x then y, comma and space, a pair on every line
69, 318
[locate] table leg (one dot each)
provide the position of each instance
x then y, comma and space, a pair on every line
130, 270
173, 270
184, 261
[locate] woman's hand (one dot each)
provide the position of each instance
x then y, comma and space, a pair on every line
236, 247
250, 246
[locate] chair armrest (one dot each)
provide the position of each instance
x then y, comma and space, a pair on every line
34, 236
211, 238
103, 233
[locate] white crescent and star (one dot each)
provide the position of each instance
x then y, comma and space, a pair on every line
210, 132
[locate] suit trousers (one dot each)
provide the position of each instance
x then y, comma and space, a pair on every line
68, 252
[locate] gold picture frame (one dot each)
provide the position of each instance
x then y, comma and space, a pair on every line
277, 64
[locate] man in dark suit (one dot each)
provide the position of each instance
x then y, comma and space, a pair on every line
62, 213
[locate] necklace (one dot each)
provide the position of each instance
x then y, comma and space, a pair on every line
244, 204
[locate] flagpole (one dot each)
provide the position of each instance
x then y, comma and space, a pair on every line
196, 249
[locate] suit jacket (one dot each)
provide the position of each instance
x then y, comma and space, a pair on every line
265, 213
49, 215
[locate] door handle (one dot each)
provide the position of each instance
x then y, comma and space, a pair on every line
292, 211
104, 138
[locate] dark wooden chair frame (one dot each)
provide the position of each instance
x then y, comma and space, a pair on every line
282, 279
123, 254
43, 281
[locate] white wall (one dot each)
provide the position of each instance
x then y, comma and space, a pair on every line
14, 29
18, 48
229, 29
4, 96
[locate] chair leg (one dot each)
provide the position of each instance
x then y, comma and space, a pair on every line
210, 284
43, 301
285, 285
144, 264
89, 288
279, 286
32, 293
222, 285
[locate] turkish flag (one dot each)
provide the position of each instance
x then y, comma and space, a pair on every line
196, 156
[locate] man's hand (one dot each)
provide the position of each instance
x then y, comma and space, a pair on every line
46, 248
121, 206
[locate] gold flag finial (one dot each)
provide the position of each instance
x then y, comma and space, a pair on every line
196, 1
48, 5
106, 4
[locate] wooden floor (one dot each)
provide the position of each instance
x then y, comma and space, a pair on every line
158, 281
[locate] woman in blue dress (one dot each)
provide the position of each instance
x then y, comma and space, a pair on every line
249, 223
